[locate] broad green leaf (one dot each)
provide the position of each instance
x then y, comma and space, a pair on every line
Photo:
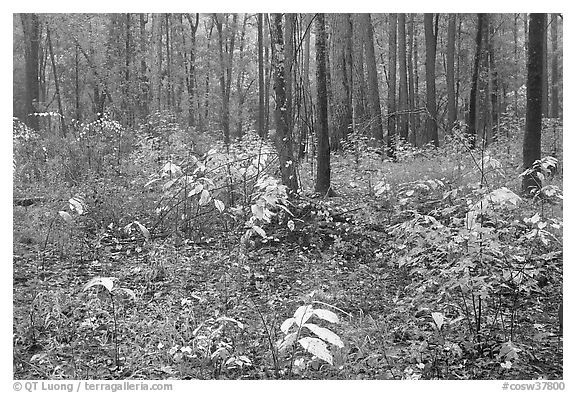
285, 343
219, 205
143, 229
168, 184
290, 225
325, 334
259, 230
228, 319
258, 211
196, 189
326, 315
204, 197
66, 217
129, 292
303, 314
317, 348
106, 282
287, 324
438, 318
77, 204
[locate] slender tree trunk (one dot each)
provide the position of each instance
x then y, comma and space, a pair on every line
411, 82
307, 128
206, 120
323, 167
471, 130
554, 108
373, 93
261, 115
226, 57
56, 84
358, 79
191, 75
289, 70
545, 70
144, 83
403, 70
240, 79
392, 29
268, 73
283, 137
31, 26
493, 83
340, 81
516, 61
417, 132
450, 70
77, 111
532, 136
431, 120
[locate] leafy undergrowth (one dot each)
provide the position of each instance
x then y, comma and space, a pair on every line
417, 269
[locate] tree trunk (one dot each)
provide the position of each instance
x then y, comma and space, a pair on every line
554, 108
56, 84
31, 26
283, 137
402, 67
450, 70
323, 167
289, 65
144, 83
471, 130
191, 75
261, 115
493, 83
545, 69
532, 136
431, 120
340, 82
417, 133
358, 79
240, 80
226, 51
392, 28
411, 84
373, 93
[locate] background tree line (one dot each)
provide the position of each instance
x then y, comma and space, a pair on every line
391, 77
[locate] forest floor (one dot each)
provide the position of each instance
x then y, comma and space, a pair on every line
212, 308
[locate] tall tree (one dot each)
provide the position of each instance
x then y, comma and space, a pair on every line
226, 41
373, 93
554, 107
451, 91
392, 29
531, 149
341, 91
431, 118
143, 76
472, 115
56, 83
412, 81
358, 79
283, 137
545, 68
289, 64
31, 27
493, 83
191, 85
323, 167
403, 71
261, 115
240, 80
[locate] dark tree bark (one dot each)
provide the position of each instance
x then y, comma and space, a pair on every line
373, 93
554, 105
392, 28
431, 120
283, 137
403, 70
143, 77
240, 80
191, 70
358, 80
77, 111
289, 65
493, 85
471, 130
323, 167
31, 26
450, 86
226, 52
342, 103
412, 78
545, 68
56, 84
417, 133
261, 114
532, 136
